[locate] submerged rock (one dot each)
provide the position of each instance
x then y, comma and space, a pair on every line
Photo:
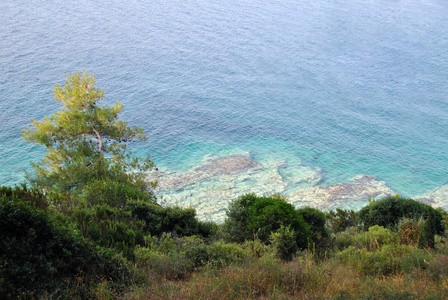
436, 198
352, 194
228, 165
210, 187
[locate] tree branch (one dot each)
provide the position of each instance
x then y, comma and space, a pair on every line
99, 140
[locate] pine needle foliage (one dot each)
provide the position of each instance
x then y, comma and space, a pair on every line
85, 141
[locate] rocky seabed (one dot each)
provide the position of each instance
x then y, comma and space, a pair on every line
210, 187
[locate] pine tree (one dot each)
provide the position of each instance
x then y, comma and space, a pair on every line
85, 142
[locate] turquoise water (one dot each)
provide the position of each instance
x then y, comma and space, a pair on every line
344, 87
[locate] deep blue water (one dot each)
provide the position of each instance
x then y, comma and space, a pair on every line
350, 87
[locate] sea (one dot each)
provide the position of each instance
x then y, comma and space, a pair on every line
326, 102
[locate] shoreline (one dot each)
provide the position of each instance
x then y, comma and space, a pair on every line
210, 186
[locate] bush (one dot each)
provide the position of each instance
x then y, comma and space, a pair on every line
414, 260
444, 220
171, 265
426, 238
109, 227
41, 256
346, 238
175, 258
124, 228
256, 249
384, 261
250, 217
218, 254
284, 242
341, 220
374, 238
389, 211
32, 197
316, 220
113, 193
179, 221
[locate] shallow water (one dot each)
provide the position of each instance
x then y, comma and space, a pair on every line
329, 87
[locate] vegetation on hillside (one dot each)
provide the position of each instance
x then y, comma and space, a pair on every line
43, 255
89, 226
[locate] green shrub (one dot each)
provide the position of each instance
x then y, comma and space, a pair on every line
389, 211
250, 217
172, 265
374, 238
341, 220
179, 221
284, 242
384, 261
389, 258
174, 258
124, 228
41, 255
113, 193
444, 220
207, 229
109, 227
30, 196
426, 238
218, 254
346, 238
415, 259
168, 244
256, 249
316, 219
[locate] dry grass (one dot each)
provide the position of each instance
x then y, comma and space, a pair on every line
309, 277
303, 278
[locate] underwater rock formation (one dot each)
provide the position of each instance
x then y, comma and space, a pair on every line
353, 194
435, 198
228, 165
211, 186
